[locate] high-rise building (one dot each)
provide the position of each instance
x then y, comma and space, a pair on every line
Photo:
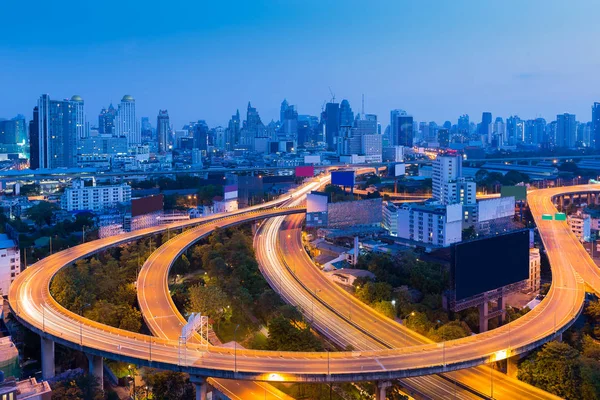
394, 128
163, 130
289, 123
448, 184
596, 126
282, 110
499, 132
13, 135
234, 129
106, 120
82, 132
201, 135
566, 130
57, 133
405, 131
126, 123
346, 114
443, 137
332, 124
463, 125
34, 140
515, 131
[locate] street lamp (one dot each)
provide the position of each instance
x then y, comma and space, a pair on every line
235, 349
81, 323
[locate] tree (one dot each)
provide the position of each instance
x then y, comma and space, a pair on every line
469, 233
41, 213
373, 292
284, 336
386, 308
209, 300
82, 386
554, 368
169, 385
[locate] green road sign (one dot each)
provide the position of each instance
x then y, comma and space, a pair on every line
547, 217
560, 216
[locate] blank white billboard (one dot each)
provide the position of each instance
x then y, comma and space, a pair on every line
495, 208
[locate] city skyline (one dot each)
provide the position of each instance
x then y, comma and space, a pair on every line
432, 64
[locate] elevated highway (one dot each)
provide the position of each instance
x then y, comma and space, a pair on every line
31, 301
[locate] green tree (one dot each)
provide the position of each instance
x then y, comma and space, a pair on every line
374, 292
386, 308
169, 385
285, 336
41, 213
83, 386
554, 368
209, 300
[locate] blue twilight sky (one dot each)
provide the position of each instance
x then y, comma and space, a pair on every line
203, 59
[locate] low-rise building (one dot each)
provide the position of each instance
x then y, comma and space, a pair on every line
10, 263
437, 225
79, 197
581, 225
535, 265
27, 389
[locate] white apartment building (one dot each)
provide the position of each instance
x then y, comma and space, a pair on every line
371, 147
535, 266
581, 225
436, 225
449, 187
79, 197
126, 123
10, 263
390, 218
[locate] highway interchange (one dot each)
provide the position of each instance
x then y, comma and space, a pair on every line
31, 301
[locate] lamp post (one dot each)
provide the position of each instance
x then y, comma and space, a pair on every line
235, 349
81, 323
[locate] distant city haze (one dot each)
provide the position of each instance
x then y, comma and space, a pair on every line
204, 60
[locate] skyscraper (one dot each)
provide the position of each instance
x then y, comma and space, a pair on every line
332, 124
404, 136
346, 114
394, 114
34, 140
566, 130
163, 128
106, 120
234, 129
463, 125
282, 110
596, 126
126, 123
79, 116
57, 133
12, 134
201, 135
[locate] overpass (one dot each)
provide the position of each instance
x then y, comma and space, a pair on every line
33, 305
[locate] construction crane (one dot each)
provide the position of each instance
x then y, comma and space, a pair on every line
332, 95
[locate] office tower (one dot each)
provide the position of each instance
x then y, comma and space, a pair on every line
394, 128
486, 121
566, 130
12, 135
282, 110
126, 123
57, 133
163, 129
463, 125
289, 123
515, 130
535, 131
77, 102
234, 128
551, 129
332, 124
106, 120
346, 114
499, 132
201, 135
443, 137
405, 133
596, 126
34, 140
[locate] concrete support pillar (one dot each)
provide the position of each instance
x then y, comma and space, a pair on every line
558, 338
483, 317
512, 366
48, 369
201, 386
382, 389
96, 368
502, 306
561, 202
589, 198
